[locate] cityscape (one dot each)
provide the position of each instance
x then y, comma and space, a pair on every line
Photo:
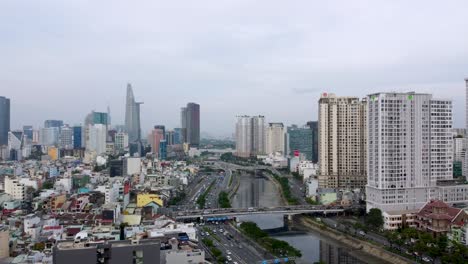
329, 175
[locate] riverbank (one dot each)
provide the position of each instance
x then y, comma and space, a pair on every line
306, 222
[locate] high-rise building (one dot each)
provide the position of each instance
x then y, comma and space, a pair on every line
155, 138
170, 137
275, 138
49, 136
459, 147
342, 142
313, 125
466, 104
243, 136
28, 132
132, 116
258, 135
190, 124
15, 144
121, 141
53, 123
77, 137
97, 138
4, 120
183, 124
250, 136
409, 149
177, 136
162, 150
66, 138
299, 140
92, 119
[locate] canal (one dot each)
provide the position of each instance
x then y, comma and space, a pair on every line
259, 191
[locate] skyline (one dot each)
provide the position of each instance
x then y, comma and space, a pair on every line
232, 58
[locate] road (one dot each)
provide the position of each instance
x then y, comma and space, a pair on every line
231, 243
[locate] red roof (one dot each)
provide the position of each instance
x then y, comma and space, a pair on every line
428, 211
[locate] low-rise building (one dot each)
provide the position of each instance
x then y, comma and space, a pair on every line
437, 218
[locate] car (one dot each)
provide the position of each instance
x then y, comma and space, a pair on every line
228, 257
221, 230
426, 259
228, 252
362, 233
214, 231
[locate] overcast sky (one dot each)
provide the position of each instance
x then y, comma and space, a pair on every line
62, 59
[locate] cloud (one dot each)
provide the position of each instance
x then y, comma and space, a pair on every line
62, 59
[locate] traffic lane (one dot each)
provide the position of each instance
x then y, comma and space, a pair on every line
223, 245
257, 254
237, 248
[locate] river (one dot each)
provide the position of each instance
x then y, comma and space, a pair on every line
259, 191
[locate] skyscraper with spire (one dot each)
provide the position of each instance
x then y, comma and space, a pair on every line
132, 116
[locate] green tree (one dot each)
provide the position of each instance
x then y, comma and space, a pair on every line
375, 219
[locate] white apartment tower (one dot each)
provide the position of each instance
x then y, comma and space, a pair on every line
275, 138
66, 138
342, 142
250, 136
121, 141
243, 136
409, 147
97, 138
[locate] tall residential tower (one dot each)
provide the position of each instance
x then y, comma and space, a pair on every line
342, 142
410, 149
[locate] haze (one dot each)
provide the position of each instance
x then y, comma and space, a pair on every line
62, 59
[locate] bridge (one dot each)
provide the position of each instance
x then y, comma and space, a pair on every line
284, 210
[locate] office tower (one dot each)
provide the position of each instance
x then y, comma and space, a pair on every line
77, 137
170, 137
132, 116
49, 136
155, 138
313, 125
274, 138
28, 132
410, 149
162, 155
15, 144
66, 138
299, 139
177, 136
193, 124
4, 120
190, 124
97, 138
121, 141
250, 136
183, 124
342, 142
53, 123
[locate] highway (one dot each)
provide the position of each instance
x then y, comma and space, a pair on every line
230, 243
